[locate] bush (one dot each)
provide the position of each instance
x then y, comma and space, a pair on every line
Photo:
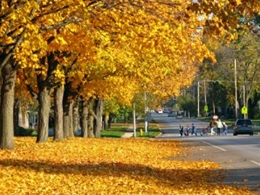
25, 132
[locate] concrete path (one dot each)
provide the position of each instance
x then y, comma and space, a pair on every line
129, 132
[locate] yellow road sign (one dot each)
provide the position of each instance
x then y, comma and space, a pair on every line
244, 110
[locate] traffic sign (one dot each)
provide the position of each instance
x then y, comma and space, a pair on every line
244, 110
206, 108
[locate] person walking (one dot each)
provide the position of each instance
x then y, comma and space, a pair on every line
211, 126
219, 126
181, 131
204, 131
193, 130
224, 129
187, 130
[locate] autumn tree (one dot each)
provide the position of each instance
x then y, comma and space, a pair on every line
12, 31
160, 36
21, 21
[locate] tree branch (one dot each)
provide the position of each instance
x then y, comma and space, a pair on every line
10, 53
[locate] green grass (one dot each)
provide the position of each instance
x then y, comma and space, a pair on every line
117, 130
110, 133
149, 134
152, 131
119, 127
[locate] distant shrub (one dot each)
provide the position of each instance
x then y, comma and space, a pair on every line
25, 132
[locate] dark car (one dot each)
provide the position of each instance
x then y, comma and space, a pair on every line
171, 114
243, 126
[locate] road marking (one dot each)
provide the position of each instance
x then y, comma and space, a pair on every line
255, 162
214, 146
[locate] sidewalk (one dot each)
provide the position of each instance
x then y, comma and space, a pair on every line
129, 132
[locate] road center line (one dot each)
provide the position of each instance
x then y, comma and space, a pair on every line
255, 162
214, 146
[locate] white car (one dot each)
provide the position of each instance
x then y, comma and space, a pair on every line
160, 111
179, 116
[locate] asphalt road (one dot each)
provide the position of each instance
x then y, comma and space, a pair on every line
240, 155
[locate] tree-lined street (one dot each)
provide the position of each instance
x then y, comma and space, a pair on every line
71, 68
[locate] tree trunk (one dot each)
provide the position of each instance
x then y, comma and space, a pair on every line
58, 113
90, 125
16, 117
99, 104
91, 118
43, 115
84, 119
67, 119
6, 108
106, 120
75, 119
112, 118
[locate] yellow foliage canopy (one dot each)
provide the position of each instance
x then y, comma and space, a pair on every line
144, 43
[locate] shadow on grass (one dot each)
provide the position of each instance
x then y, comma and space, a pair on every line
168, 177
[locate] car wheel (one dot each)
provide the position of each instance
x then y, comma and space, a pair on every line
251, 134
234, 134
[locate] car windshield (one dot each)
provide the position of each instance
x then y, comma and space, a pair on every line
244, 122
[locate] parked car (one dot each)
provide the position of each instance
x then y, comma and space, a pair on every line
243, 126
171, 114
165, 110
179, 116
159, 111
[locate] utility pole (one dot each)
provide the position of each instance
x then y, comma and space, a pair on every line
235, 80
145, 114
244, 101
244, 95
134, 117
198, 99
205, 94
205, 99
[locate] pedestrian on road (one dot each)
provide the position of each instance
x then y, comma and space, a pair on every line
219, 126
203, 131
211, 126
224, 129
187, 130
193, 130
181, 130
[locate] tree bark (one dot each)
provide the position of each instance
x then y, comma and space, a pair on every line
16, 117
58, 113
99, 104
67, 119
106, 120
75, 119
84, 119
91, 126
91, 118
110, 119
43, 115
6, 107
